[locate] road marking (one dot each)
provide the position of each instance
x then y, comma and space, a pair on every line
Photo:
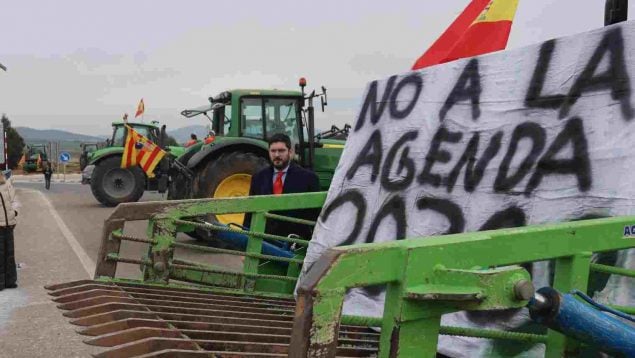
86, 261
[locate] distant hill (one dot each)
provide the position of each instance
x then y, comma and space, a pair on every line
54, 135
182, 134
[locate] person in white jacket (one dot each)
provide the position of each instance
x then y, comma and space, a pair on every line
8, 215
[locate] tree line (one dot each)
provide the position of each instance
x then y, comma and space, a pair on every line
15, 143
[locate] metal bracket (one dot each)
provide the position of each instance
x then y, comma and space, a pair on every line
497, 288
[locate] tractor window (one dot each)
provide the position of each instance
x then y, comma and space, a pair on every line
227, 118
281, 115
144, 131
155, 134
251, 112
118, 137
222, 120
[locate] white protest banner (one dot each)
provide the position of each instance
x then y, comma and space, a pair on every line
529, 136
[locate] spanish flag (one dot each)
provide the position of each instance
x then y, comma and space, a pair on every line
140, 108
140, 150
483, 27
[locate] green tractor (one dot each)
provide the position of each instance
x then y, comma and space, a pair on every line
112, 185
34, 157
223, 163
242, 121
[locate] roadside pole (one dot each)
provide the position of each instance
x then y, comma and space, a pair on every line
64, 157
57, 155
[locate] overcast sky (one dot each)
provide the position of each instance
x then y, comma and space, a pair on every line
77, 65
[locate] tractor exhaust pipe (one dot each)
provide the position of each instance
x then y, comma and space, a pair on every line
310, 123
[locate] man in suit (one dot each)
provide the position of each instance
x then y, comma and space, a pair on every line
284, 177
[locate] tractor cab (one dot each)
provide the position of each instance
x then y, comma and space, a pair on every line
258, 114
255, 114
148, 130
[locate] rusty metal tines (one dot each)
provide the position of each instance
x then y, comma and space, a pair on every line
127, 260
251, 275
119, 236
141, 320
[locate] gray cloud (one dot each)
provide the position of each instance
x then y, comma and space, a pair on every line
77, 65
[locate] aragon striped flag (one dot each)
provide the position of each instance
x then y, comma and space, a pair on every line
140, 150
483, 27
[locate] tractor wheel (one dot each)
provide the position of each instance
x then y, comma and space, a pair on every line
227, 176
111, 185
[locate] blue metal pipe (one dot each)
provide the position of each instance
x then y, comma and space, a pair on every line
567, 315
240, 241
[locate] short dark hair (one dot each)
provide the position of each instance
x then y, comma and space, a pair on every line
193, 136
280, 137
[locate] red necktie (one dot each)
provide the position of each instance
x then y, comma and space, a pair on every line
277, 184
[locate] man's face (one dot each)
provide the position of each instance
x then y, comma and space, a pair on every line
279, 154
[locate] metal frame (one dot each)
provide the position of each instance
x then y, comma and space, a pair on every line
421, 288
425, 278
260, 274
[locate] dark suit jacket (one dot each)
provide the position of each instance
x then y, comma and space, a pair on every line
298, 180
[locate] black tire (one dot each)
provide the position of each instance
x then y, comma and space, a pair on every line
210, 176
111, 185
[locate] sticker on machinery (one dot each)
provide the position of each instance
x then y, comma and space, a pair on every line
528, 136
629, 230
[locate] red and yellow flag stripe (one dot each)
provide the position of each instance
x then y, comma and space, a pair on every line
483, 27
129, 157
439, 50
148, 160
140, 150
488, 33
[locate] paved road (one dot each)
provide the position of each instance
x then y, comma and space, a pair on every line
57, 240
84, 218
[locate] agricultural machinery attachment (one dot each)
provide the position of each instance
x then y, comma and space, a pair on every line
187, 305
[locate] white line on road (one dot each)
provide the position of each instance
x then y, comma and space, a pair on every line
86, 261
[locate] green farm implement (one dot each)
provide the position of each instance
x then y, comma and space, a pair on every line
187, 306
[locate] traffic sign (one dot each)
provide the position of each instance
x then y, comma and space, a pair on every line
65, 157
